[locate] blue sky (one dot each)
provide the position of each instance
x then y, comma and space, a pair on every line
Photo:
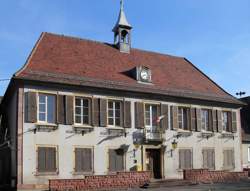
212, 34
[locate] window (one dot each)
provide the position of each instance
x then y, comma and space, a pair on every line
47, 108
248, 154
185, 159
208, 159
204, 119
82, 111
183, 118
151, 115
47, 159
114, 113
116, 160
228, 159
83, 160
225, 121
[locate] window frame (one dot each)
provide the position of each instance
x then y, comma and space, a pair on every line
248, 154
46, 108
92, 161
183, 127
151, 120
223, 121
41, 173
191, 159
213, 162
205, 124
82, 113
114, 113
233, 160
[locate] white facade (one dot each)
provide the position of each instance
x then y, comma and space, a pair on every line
65, 142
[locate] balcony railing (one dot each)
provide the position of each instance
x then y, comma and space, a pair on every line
153, 134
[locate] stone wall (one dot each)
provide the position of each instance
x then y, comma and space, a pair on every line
206, 176
119, 180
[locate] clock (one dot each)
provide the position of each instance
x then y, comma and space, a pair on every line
144, 75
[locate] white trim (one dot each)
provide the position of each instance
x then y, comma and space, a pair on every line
248, 154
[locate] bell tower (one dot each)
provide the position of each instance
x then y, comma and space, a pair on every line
122, 32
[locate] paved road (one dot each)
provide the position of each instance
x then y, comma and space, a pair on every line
217, 187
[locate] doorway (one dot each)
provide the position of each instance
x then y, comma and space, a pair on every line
153, 162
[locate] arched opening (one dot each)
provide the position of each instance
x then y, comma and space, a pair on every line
124, 37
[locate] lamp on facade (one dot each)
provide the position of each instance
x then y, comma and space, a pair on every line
174, 144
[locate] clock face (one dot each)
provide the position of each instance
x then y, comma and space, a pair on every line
144, 75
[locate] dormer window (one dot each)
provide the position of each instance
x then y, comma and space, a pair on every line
144, 74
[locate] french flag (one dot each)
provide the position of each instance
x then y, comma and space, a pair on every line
158, 119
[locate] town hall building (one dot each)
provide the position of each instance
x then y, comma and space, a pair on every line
80, 107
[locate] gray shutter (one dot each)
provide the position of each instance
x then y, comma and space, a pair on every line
69, 110
233, 158
234, 122
52, 154
41, 159
95, 112
103, 113
164, 121
224, 159
175, 117
214, 114
139, 115
213, 159
127, 114
219, 118
78, 159
210, 120
188, 159
193, 119
204, 153
90, 111
119, 161
60, 109
181, 159
112, 160
88, 160
188, 119
31, 107
198, 115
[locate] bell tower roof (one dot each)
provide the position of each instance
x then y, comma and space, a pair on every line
122, 20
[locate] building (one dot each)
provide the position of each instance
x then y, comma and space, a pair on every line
245, 125
79, 107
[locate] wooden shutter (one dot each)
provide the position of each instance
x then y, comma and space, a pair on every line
112, 160
188, 159
188, 117
198, 115
31, 107
181, 159
78, 159
208, 159
234, 122
95, 112
164, 121
103, 113
175, 117
215, 127
51, 159
41, 159
61, 109
119, 160
219, 118
139, 115
127, 114
193, 119
69, 110
210, 120
205, 156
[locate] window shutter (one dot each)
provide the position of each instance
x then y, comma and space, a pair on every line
122, 114
127, 114
41, 159
60, 109
219, 117
181, 159
213, 159
234, 122
95, 112
164, 121
193, 119
103, 113
139, 115
31, 107
204, 153
69, 110
112, 160
90, 111
232, 159
210, 120
214, 114
188, 160
88, 160
175, 117
189, 119
78, 160
119, 161
198, 115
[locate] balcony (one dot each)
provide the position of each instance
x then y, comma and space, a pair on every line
153, 134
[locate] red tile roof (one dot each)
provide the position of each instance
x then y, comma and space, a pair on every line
62, 59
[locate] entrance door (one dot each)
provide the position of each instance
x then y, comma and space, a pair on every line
153, 162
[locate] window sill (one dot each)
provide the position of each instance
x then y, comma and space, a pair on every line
46, 173
46, 124
82, 173
83, 126
114, 128
226, 133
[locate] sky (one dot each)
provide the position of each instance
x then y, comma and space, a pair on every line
213, 34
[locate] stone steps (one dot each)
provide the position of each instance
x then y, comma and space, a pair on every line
168, 183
